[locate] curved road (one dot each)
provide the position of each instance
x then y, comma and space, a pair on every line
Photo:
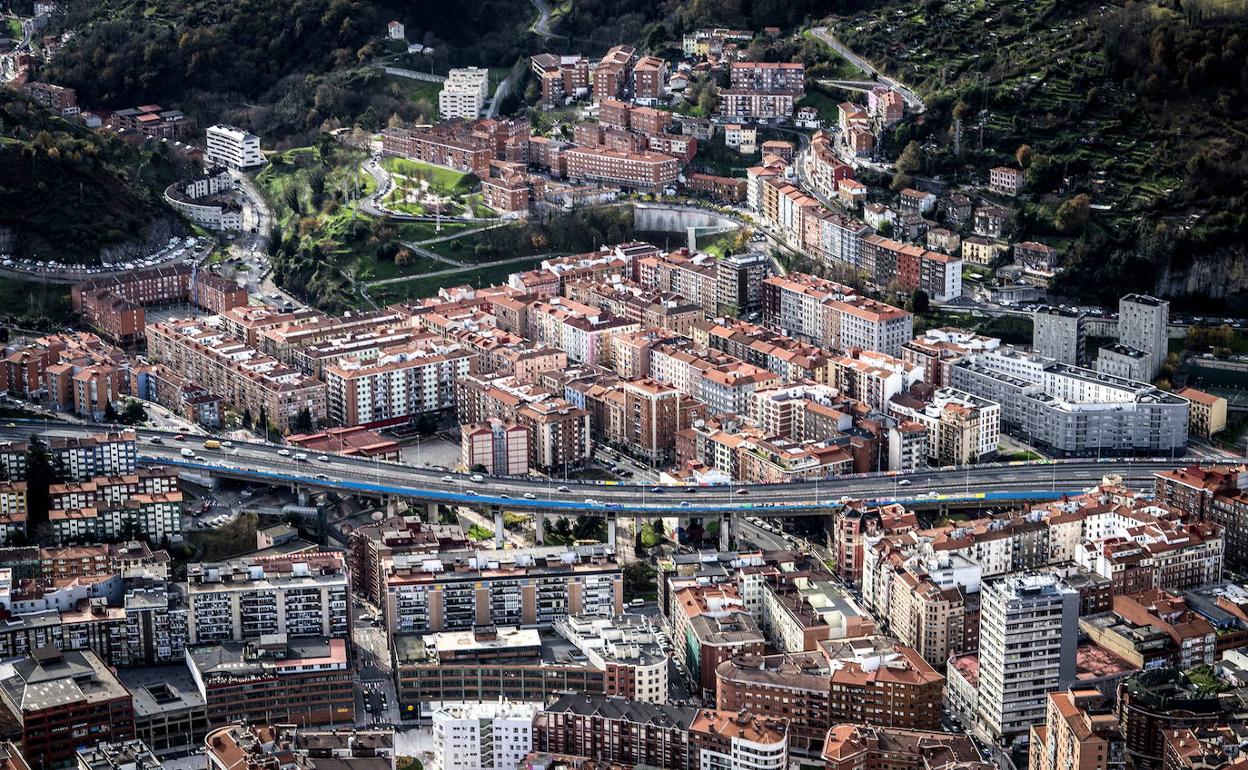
263, 463
913, 100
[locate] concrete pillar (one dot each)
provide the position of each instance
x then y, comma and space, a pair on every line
392, 505
539, 526
500, 534
611, 530
304, 496
726, 535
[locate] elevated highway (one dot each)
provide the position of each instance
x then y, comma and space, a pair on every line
978, 485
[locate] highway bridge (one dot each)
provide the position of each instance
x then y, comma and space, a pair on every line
985, 485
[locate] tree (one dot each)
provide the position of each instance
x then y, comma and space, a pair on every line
920, 303
910, 159
639, 580
707, 100
39, 476
1023, 155
1072, 215
110, 411
404, 257
247, 419
134, 413
657, 526
961, 110
303, 421
478, 468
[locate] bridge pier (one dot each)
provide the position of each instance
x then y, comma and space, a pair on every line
611, 524
392, 505
727, 531
539, 526
303, 495
500, 534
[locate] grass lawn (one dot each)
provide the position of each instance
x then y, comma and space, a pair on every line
33, 304
429, 285
824, 103
15, 29
239, 536
416, 90
465, 249
1022, 455
440, 179
721, 246
423, 231
478, 532
716, 158
369, 269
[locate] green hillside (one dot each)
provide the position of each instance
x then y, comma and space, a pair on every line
67, 192
1140, 106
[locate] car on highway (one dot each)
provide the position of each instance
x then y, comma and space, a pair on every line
322, 458
179, 437
904, 483
448, 479
322, 477
743, 491
530, 496
564, 489
590, 501
476, 478
157, 440
656, 490
284, 452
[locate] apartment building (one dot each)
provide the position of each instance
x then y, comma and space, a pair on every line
649, 79
105, 454
562, 78
962, 428
626, 648
936, 349
291, 681
114, 305
582, 331
1154, 628
643, 171
400, 384
57, 98
529, 587
671, 737
152, 120
488, 663
57, 697
1060, 333
482, 736
243, 600
1080, 732
1143, 323
612, 77
464, 93
831, 315
855, 524
244, 377
459, 145
871, 679
1031, 618
232, 147
853, 746
1071, 411
501, 447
